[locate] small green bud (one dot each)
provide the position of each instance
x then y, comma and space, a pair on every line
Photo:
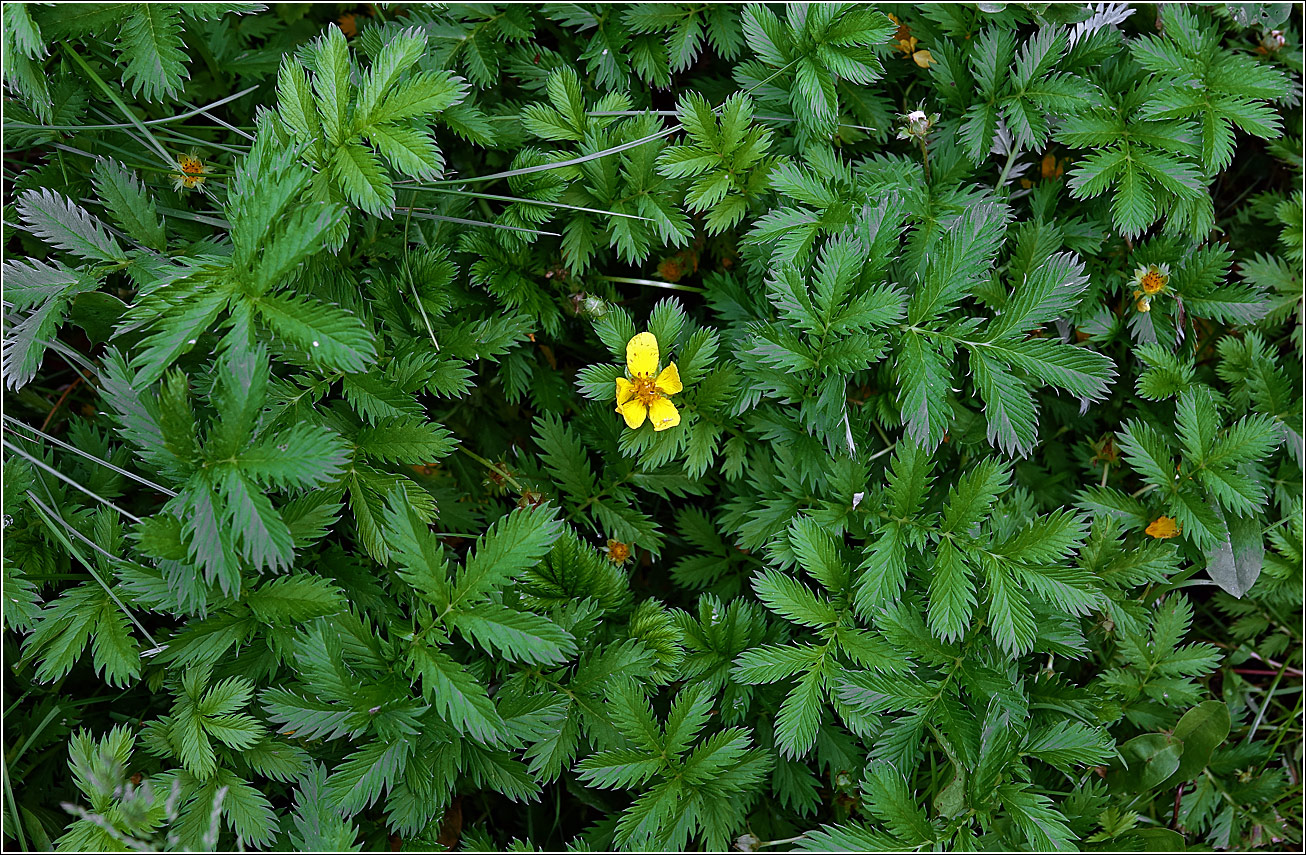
917, 125
592, 306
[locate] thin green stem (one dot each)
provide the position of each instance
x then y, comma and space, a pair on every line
36, 731
13, 808
45, 467
519, 201
1282, 732
48, 516
654, 283
1269, 698
424, 215
1006, 167
117, 102
493, 467
577, 161
177, 118
75, 450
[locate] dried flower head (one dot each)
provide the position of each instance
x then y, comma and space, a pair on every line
1272, 41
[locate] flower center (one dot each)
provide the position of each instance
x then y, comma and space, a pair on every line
646, 389
192, 172
618, 552
1153, 282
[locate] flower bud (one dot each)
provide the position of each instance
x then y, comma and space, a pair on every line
917, 125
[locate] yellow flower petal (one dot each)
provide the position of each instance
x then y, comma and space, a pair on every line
625, 391
1163, 527
642, 355
923, 58
633, 411
668, 382
663, 414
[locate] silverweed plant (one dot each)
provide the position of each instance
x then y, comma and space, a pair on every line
653, 426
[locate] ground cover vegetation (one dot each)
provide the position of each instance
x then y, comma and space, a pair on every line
652, 426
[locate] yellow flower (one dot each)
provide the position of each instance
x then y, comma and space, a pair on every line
645, 394
618, 552
1153, 278
192, 172
904, 41
1051, 168
1163, 527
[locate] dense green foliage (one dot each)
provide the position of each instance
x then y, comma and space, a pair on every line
978, 526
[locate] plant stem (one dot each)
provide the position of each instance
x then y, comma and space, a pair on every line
1006, 167
493, 467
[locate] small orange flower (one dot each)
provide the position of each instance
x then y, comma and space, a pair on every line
675, 267
1163, 528
192, 173
1051, 167
1151, 281
618, 552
